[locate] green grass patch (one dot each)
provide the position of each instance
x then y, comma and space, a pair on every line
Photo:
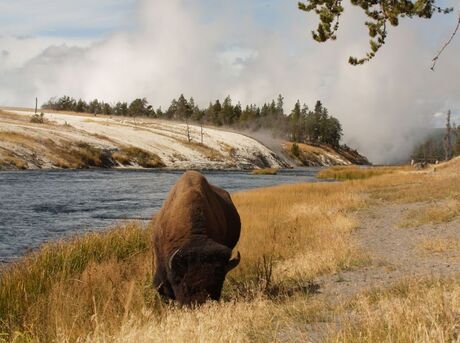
265, 171
133, 155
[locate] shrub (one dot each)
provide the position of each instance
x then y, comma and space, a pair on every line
295, 151
265, 171
143, 158
38, 118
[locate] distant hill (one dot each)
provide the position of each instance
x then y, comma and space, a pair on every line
75, 141
68, 140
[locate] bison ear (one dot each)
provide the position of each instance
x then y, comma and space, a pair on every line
234, 262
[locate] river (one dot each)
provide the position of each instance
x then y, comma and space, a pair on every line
41, 206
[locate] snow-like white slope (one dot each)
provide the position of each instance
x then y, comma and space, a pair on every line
220, 149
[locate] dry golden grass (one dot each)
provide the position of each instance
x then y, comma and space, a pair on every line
214, 322
60, 287
414, 310
300, 231
305, 148
73, 155
437, 213
13, 116
310, 155
440, 245
287, 221
265, 171
14, 137
343, 173
62, 154
452, 164
411, 187
98, 287
10, 161
208, 152
258, 320
130, 155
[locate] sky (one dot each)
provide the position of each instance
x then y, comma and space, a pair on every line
252, 50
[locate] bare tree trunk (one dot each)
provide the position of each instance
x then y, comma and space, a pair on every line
448, 138
201, 125
189, 138
36, 105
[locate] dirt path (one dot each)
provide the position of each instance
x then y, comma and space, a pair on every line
395, 252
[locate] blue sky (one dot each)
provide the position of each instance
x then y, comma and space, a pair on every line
86, 18
65, 18
252, 50
94, 19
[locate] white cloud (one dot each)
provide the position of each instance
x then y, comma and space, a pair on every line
20, 51
384, 106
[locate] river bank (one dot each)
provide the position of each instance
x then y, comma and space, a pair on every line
312, 269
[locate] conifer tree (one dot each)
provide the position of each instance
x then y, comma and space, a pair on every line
457, 143
280, 105
380, 15
448, 138
95, 107
295, 122
216, 109
106, 108
121, 108
81, 106
226, 114
171, 112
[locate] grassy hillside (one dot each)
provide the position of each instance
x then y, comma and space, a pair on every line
322, 155
97, 287
72, 140
25, 144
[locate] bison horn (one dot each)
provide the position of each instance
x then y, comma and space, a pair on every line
233, 263
171, 258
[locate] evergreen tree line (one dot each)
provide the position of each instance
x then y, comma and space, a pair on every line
434, 147
301, 124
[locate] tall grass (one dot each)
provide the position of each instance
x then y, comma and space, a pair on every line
440, 184
145, 159
207, 151
433, 213
440, 246
298, 231
32, 288
98, 287
307, 224
74, 155
343, 173
265, 171
414, 310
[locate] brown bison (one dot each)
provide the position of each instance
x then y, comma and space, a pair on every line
194, 234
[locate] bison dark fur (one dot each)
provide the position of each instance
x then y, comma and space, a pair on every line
193, 237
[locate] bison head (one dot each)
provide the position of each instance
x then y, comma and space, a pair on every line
197, 273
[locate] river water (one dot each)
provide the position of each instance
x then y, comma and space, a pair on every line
40, 206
